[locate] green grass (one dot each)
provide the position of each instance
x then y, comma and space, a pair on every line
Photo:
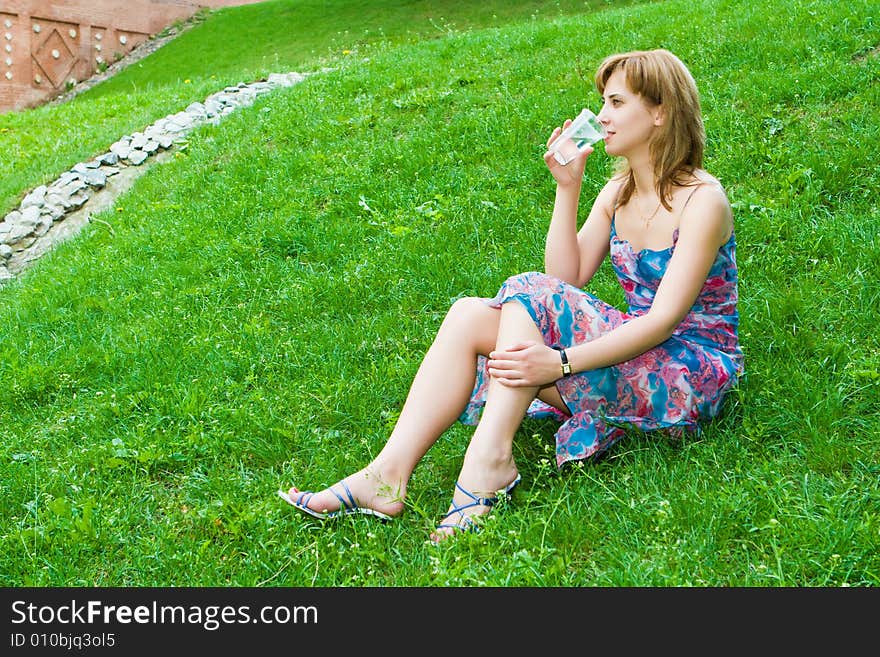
239, 44
259, 309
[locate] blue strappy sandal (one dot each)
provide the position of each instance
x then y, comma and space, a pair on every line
465, 523
348, 507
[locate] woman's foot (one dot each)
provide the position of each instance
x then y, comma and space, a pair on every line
367, 491
477, 489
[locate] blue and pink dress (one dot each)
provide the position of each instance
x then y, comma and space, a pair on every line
674, 386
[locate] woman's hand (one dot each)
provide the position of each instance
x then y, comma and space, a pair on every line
566, 174
525, 363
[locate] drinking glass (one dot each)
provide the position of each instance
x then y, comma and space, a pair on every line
584, 131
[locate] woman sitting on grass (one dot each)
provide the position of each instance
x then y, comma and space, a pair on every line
544, 346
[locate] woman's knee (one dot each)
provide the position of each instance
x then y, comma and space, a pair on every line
466, 310
471, 316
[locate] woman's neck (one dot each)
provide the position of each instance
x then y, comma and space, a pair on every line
643, 177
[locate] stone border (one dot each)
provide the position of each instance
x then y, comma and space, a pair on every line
38, 223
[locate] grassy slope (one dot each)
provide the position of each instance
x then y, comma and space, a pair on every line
260, 308
241, 44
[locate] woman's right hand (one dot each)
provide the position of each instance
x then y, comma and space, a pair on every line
570, 174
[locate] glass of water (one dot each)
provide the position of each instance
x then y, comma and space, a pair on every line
584, 131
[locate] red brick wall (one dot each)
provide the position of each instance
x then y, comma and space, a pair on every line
45, 43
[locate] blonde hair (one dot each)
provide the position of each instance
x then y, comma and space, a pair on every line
676, 149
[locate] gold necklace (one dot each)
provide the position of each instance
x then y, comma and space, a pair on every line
646, 220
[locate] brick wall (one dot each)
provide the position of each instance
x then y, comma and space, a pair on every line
46, 43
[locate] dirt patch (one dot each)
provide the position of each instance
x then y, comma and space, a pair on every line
865, 55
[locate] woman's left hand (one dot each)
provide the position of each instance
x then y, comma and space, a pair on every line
524, 364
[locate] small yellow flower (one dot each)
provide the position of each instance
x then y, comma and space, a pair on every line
346, 52
187, 81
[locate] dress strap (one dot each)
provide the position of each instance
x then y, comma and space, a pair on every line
688, 199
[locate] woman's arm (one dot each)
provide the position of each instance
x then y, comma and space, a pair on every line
705, 226
571, 255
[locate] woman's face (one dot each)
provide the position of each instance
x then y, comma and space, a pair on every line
629, 121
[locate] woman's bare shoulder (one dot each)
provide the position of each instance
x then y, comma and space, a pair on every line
705, 179
710, 208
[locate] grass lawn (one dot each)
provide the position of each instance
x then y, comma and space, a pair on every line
255, 316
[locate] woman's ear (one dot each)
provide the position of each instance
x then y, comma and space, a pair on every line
659, 115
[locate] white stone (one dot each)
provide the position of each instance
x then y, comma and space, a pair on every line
99, 36
72, 34
137, 157
95, 178
54, 212
5, 252
197, 109
55, 54
123, 39
37, 197
9, 61
285, 79
72, 187
65, 178
37, 28
19, 232
8, 75
78, 200
29, 216
121, 148
7, 23
43, 226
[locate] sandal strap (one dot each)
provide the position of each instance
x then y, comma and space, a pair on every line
351, 504
468, 522
477, 501
459, 508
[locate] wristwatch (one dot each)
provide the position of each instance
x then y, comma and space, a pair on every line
566, 366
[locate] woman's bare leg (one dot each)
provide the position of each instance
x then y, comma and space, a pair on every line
488, 463
438, 395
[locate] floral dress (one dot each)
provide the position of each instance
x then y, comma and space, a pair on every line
673, 386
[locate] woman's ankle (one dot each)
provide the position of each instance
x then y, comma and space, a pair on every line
390, 481
492, 457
